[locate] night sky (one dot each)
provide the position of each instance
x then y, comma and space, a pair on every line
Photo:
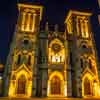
55, 12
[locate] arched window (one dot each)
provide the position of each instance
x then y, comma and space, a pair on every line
90, 63
78, 27
84, 46
84, 27
19, 59
28, 21
29, 60
71, 60
81, 63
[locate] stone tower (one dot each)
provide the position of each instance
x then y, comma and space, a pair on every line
82, 68
20, 70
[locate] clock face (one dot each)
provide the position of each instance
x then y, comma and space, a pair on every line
56, 47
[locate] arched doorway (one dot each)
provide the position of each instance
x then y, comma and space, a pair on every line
87, 87
55, 86
21, 85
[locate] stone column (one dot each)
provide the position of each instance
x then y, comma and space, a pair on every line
69, 82
34, 76
44, 67
75, 59
44, 80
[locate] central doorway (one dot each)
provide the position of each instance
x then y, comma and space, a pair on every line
55, 86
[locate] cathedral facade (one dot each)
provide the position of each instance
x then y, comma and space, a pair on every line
51, 63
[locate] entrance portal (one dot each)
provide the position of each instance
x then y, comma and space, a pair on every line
21, 85
55, 86
87, 87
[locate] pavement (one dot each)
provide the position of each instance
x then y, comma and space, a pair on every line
56, 98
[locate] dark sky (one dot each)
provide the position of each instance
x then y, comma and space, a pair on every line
55, 12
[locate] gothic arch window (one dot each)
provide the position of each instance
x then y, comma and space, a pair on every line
21, 85
84, 45
28, 21
56, 52
87, 87
69, 26
82, 27
29, 60
90, 63
18, 58
71, 60
78, 27
82, 63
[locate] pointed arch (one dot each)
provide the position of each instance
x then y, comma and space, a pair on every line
56, 84
23, 76
56, 73
21, 85
18, 57
87, 85
56, 40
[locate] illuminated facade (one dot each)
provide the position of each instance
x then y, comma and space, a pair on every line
51, 64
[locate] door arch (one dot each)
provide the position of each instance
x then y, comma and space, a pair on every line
56, 84
21, 85
87, 87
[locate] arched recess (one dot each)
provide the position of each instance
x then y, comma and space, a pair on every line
56, 51
87, 85
28, 75
56, 84
17, 57
21, 85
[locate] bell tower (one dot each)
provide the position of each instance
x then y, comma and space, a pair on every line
20, 71
82, 55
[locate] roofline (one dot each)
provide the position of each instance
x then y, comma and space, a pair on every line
78, 13
31, 6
